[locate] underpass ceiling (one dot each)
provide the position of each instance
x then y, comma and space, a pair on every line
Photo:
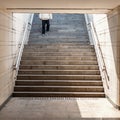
61, 6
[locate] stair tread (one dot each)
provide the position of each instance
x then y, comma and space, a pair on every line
25, 52
59, 44
54, 75
61, 80
60, 86
66, 52
58, 56
62, 92
58, 47
60, 60
59, 65
53, 70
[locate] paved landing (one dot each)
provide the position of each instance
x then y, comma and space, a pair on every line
59, 109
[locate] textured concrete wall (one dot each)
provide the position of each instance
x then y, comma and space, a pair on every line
11, 28
114, 27
108, 30
7, 54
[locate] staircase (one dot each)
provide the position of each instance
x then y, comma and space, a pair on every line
63, 67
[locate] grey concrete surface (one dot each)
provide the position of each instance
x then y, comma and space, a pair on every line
63, 28
59, 109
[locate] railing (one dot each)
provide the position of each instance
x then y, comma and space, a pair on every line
99, 54
21, 45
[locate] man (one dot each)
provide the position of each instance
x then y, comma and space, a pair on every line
45, 22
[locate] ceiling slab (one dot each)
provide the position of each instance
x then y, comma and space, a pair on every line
86, 6
60, 10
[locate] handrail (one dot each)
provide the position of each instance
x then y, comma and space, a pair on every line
99, 54
21, 46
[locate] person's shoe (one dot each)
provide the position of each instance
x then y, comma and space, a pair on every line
43, 35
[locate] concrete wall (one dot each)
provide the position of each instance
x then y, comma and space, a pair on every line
7, 54
108, 31
114, 27
11, 32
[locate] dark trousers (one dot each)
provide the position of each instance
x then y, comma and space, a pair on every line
45, 26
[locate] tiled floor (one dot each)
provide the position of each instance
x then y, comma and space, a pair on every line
59, 109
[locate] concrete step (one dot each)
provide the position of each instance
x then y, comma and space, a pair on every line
59, 39
59, 94
57, 50
59, 88
79, 58
58, 62
59, 72
58, 44
61, 45
58, 77
71, 34
60, 67
37, 54
58, 83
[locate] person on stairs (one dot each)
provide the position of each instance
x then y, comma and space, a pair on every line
45, 22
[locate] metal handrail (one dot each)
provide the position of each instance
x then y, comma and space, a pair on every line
100, 56
21, 46
20, 49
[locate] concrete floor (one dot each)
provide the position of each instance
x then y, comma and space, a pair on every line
59, 109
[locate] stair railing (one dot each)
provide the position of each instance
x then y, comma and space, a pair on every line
24, 41
99, 54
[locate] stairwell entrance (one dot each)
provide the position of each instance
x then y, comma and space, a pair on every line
61, 63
